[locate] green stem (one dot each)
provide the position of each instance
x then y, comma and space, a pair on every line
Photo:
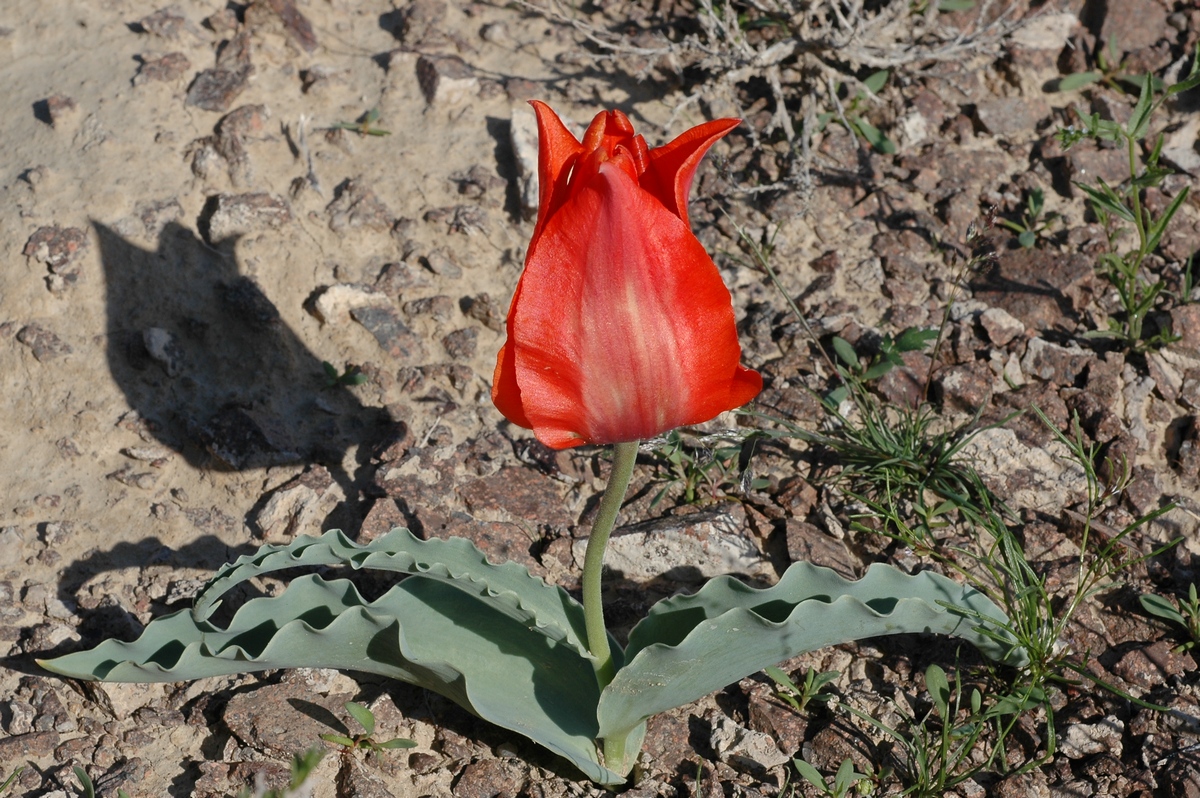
624, 455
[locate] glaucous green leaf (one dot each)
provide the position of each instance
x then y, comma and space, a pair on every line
507, 586
424, 631
689, 646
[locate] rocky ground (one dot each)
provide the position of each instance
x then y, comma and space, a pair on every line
192, 234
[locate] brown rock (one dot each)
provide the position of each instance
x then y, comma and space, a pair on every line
165, 23
57, 247
1012, 118
1058, 365
445, 79
164, 68
1134, 24
965, 388
355, 206
460, 344
491, 778
295, 24
807, 543
393, 335
216, 89
20, 747
231, 215
484, 309
273, 718
1042, 289
46, 346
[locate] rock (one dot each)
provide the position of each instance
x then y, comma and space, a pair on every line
445, 80
965, 388
523, 136
686, 548
57, 247
21, 747
491, 778
45, 345
296, 507
744, 749
1148, 666
166, 23
1012, 118
1058, 365
1086, 162
157, 214
441, 264
1185, 322
1038, 287
807, 543
1000, 325
216, 89
165, 349
1086, 739
1045, 31
393, 335
335, 303
396, 278
123, 700
270, 718
243, 439
1134, 24
1027, 476
231, 215
283, 12
460, 344
355, 206
485, 310
161, 69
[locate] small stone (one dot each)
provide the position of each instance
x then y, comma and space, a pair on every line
166, 23
239, 214
491, 778
1086, 739
807, 543
216, 89
445, 79
164, 68
440, 263
54, 109
484, 309
243, 440
396, 278
965, 388
439, 307
355, 206
709, 542
295, 24
1012, 118
460, 344
1000, 325
1185, 322
165, 349
57, 247
46, 346
335, 303
744, 749
391, 332
296, 507
1059, 365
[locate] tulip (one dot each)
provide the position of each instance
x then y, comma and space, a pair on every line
620, 328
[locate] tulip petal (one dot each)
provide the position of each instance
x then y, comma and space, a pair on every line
672, 166
623, 329
558, 150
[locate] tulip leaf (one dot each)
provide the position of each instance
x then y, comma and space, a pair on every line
689, 646
509, 587
424, 631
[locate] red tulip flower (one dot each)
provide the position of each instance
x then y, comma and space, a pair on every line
620, 328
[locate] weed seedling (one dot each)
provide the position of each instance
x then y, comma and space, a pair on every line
365, 126
85, 781
844, 781
1186, 616
1111, 71
350, 377
852, 118
798, 696
1032, 222
365, 718
718, 463
1112, 205
11, 780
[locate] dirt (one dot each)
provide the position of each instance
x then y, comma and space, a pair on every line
202, 216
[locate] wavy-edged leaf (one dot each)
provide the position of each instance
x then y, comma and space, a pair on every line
423, 631
507, 586
689, 646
